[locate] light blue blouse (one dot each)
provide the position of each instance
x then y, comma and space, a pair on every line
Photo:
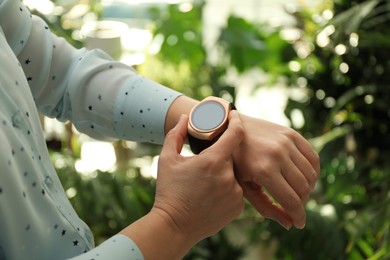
103, 98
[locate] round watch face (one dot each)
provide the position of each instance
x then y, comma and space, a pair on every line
208, 115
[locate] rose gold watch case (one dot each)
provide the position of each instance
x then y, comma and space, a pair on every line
212, 133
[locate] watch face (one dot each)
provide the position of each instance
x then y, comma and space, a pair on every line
208, 115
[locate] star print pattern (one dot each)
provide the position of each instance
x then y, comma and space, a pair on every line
103, 98
27, 178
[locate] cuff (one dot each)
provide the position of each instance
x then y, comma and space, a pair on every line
118, 247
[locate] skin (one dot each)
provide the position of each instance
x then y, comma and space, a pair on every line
271, 157
195, 196
272, 166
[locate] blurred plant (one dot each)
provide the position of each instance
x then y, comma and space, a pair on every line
182, 55
345, 75
246, 46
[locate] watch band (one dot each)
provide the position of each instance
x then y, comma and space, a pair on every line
198, 145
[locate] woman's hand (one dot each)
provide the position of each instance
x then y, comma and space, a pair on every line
199, 194
195, 196
280, 160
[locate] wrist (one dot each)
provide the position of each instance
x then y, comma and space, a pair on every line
181, 105
158, 236
179, 234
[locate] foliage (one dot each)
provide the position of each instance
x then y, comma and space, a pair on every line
182, 50
348, 89
182, 35
251, 45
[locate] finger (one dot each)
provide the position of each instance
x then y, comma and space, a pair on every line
307, 150
286, 196
231, 138
174, 139
304, 166
264, 205
296, 179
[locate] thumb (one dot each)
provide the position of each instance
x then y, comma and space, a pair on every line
232, 137
174, 140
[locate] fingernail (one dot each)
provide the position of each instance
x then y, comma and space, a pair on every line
287, 225
181, 118
301, 226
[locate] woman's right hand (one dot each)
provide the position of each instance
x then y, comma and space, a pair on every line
199, 195
195, 196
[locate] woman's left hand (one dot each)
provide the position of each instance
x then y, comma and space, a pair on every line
275, 159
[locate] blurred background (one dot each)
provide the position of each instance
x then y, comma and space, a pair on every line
321, 67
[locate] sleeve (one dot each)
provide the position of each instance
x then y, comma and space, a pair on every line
103, 98
37, 220
118, 247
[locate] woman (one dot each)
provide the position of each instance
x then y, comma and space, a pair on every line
196, 196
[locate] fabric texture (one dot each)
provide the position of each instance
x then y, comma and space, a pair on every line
105, 99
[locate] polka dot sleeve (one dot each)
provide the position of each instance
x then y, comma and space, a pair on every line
113, 249
103, 98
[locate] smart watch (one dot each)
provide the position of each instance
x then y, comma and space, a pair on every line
207, 121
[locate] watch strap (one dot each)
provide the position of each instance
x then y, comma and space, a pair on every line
198, 145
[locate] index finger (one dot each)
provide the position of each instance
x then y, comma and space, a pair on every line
231, 138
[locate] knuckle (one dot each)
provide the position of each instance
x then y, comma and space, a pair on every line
290, 133
239, 193
239, 132
224, 181
266, 174
287, 139
275, 149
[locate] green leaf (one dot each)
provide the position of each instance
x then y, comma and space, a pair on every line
350, 20
365, 247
